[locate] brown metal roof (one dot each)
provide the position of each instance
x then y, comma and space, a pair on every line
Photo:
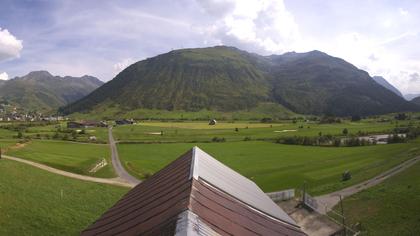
155, 206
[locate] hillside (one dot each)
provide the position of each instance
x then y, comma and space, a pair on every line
411, 96
416, 100
41, 91
228, 79
380, 80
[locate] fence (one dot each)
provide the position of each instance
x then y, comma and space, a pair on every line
282, 195
333, 215
98, 166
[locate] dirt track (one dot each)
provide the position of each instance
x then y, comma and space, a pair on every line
332, 199
113, 181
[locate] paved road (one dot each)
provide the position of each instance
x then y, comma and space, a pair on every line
119, 169
332, 199
113, 181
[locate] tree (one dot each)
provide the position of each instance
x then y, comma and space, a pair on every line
345, 131
20, 135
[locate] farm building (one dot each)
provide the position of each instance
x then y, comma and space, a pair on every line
85, 124
124, 122
195, 195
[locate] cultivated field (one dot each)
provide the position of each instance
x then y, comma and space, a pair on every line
36, 202
275, 166
202, 132
69, 156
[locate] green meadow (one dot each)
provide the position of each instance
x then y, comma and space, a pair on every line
36, 202
69, 156
390, 208
275, 166
237, 131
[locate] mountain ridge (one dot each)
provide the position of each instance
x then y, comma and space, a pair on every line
226, 78
382, 81
41, 91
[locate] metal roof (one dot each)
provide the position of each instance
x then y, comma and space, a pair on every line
229, 181
194, 195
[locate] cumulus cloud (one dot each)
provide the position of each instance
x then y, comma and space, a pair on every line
4, 76
120, 66
10, 46
263, 26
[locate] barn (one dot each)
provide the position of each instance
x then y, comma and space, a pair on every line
195, 195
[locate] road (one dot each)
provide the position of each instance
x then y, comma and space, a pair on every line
113, 181
328, 201
119, 169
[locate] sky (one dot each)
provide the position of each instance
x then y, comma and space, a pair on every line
102, 37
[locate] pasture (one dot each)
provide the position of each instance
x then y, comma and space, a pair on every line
36, 202
69, 156
275, 166
238, 131
391, 208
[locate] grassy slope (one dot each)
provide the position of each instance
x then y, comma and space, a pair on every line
391, 208
31, 202
74, 157
201, 131
110, 111
275, 166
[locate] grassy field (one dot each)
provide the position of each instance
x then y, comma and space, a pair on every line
36, 202
391, 208
6, 143
202, 132
275, 166
74, 157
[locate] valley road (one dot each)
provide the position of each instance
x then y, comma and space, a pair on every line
328, 201
116, 163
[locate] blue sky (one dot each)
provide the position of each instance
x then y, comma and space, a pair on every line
100, 38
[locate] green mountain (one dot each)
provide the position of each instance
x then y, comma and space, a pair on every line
40, 91
227, 79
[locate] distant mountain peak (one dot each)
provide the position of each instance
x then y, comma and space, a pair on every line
38, 74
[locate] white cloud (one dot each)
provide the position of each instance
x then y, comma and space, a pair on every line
4, 76
10, 47
120, 66
263, 26
403, 12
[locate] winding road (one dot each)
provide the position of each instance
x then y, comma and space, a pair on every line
328, 201
124, 178
114, 181
116, 163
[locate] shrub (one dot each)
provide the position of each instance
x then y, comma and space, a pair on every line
346, 176
218, 140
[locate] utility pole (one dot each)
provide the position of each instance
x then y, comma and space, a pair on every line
342, 214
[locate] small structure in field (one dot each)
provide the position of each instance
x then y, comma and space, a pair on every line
213, 122
92, 138
124, 122
195, 195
